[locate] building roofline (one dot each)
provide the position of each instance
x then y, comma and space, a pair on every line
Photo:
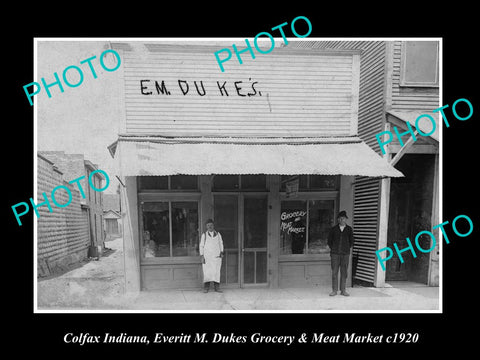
44, 158
91, 165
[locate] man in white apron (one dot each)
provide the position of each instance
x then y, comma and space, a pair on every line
211, 253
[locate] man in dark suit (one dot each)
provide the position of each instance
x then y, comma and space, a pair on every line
340, 241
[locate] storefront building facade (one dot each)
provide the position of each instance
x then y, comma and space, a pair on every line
399, 81
269, 150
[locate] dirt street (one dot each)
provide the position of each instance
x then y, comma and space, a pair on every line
95, 284
99, 285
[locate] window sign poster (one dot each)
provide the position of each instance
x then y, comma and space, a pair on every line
293, 231
292, 187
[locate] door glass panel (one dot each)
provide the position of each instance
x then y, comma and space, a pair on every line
226, 223
226, 219
231, 266
255, 240
249, 267
261, 266
255, 222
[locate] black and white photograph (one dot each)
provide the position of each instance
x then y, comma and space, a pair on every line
218, 181
275, 175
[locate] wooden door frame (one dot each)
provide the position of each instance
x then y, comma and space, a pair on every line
240, 232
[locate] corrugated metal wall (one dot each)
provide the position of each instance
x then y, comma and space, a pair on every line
367, 190
282, 93
365, 225
371, 116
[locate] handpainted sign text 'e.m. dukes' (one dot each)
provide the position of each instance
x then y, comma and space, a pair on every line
199, 88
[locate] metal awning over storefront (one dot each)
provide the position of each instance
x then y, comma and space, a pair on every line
157, 155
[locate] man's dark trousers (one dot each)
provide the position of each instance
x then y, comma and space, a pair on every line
339, 262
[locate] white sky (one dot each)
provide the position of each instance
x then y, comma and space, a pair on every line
83, 119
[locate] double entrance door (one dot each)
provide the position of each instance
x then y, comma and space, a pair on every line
242, 220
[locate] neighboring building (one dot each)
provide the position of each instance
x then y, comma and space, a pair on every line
112, 216
63, 234
399, 81
196, 143
74, 166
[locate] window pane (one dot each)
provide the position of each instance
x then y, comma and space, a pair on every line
183, 182
249, 267
261, 267
152, 182
156, 232
254, 182
229, 271
225, 213
323, 182
185, 228
293, 218
320, 220
255, 222
225, 182
420, 62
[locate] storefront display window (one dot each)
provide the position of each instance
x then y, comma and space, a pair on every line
304, 226
170, 229
320, 220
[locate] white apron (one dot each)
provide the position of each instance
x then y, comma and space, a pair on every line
210, 248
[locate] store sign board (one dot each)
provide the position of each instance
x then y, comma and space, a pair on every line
291, 187
175, 90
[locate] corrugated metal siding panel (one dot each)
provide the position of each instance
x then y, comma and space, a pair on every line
365, 226
367, 190
294, 94
410, 98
